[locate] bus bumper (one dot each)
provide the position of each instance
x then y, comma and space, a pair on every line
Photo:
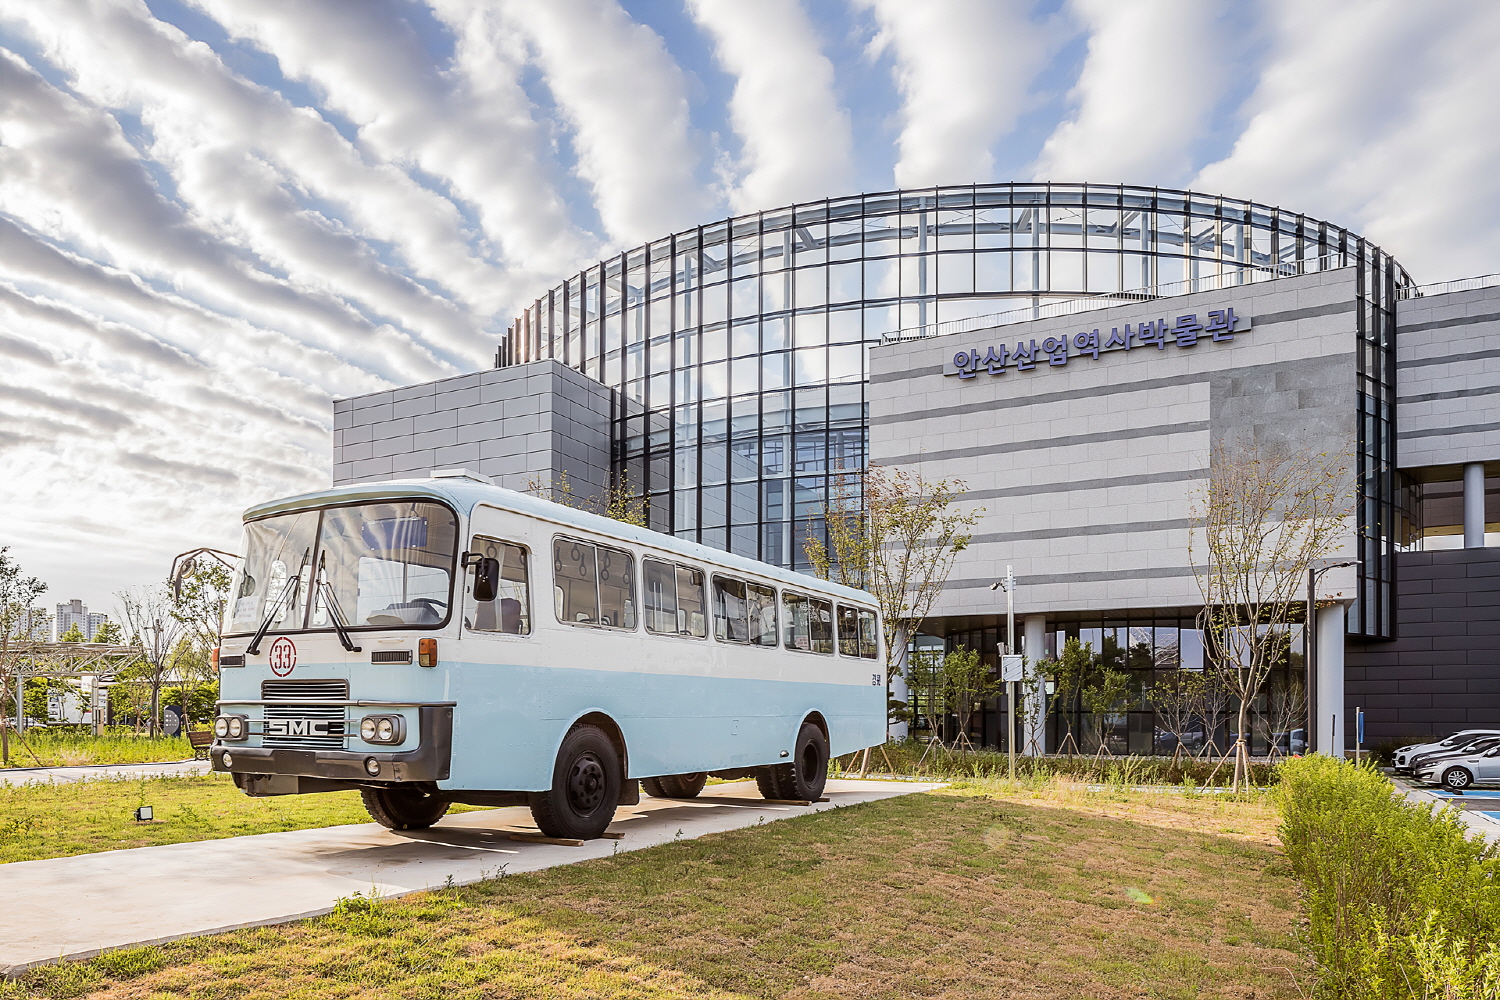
430, 761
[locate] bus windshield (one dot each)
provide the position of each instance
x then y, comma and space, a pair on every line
374, 565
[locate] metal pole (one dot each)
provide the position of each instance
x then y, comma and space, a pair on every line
1010, 611
1010, 647
1309, 633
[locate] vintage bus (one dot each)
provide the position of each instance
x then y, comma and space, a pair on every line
445, 640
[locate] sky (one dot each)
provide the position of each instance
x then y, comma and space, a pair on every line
218, 216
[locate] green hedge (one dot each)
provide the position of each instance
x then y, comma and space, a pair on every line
1401, 901
914, 758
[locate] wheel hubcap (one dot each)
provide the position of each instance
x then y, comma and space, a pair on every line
586, 783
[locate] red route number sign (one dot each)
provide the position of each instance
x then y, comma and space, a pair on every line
283, 656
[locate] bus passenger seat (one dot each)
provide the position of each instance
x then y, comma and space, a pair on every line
510, 615
484, 616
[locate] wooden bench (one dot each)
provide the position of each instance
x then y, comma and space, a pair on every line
200, 740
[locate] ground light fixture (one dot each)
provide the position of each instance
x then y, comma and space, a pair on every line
144, 814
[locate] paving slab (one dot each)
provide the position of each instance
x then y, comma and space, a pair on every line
73, 908
94, 772
1478, 809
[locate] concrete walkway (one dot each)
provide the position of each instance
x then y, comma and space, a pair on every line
1479, 808
70, 908
90, 772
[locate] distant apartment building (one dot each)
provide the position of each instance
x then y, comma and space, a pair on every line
75, 612
35, 625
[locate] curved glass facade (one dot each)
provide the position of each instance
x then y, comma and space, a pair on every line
739, 347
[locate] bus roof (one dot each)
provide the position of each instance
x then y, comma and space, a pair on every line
464, 494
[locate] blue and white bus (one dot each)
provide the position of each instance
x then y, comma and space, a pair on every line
445, 640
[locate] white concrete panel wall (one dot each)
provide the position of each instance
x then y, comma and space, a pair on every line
513, 424
1448, 379
1087, 471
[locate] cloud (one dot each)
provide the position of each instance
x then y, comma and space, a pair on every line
964, 69
100, 417
1136, 119
1381, 117
785, 107
626, 101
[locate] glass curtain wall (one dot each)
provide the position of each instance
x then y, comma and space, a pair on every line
739, 348
1149, 651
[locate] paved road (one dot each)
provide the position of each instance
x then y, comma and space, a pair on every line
68, 908
1479, 809
45, 775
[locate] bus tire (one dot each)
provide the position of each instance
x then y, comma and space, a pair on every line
403, 808
675, 786
585, 787
802, 779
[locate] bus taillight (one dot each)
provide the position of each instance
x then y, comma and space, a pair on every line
427, 653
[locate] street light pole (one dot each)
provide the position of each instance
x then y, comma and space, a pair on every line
1009, 586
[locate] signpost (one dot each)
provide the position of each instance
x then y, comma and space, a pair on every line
1011, 665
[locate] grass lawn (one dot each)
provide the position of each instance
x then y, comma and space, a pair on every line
57, 820
984, 890
51, 748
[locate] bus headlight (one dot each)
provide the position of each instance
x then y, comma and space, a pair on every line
231, 727
382, 729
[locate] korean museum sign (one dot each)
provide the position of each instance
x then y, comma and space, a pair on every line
1218, 326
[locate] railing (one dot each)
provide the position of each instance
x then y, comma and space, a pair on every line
1242, 275
1439, 288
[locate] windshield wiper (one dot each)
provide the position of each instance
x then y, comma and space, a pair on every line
254, 648
326, 589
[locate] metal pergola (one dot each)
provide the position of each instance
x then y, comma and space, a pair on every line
97, 661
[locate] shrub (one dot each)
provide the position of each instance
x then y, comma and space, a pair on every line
912, 757
1401, 902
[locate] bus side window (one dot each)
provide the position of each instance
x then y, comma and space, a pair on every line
575, 587
661, 596
510, 611
848, 619
869, 635
616, 588
820, 620
729, 610
761, 601
690, 617
798, 635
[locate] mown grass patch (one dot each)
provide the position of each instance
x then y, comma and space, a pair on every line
988, 889
84, 817
62, 748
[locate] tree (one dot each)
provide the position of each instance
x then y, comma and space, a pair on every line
1176, 700
1262, 519
896, 535
108, 633
73, 634
1102, 695
17, 594
148, 615
198, 607
617, 502
968, 682
1069, 673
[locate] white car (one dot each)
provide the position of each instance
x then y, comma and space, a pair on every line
1455, 742
1460, 772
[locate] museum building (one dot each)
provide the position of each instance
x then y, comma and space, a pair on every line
1073, 353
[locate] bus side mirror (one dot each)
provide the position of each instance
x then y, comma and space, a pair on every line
486, 578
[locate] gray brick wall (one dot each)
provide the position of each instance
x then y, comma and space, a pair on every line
513, 424
1448, 379
1087, 471
1442, 673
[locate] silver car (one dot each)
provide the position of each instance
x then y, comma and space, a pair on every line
1459, 740
1463, 771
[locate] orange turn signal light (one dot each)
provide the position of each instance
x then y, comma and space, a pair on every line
427, 653
216, 659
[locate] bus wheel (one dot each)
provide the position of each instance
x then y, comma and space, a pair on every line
585, 787
403, 808
675, 786
804, 778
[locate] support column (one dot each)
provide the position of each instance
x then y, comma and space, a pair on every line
898, 689
1328, 728
1034, 647
1474, 505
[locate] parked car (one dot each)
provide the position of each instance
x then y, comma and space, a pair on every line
1423, 762
1457, 741
1463, 771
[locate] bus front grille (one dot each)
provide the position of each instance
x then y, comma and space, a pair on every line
304, 726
